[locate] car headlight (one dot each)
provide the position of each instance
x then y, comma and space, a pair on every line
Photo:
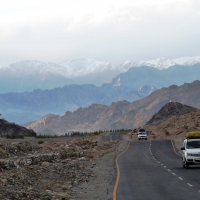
189, 154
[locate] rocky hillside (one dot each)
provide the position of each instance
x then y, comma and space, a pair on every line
175, 126
171, 109
120, 114
14, 130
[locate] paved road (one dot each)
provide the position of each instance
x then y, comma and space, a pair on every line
152, 170
113, 136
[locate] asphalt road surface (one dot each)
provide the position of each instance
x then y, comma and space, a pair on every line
151, 170
113, 136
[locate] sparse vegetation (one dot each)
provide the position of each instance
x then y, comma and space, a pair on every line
13, 136
40, 142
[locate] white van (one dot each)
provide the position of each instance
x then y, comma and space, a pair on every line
142, 134
191, 150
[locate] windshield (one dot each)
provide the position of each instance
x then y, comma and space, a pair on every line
142, 133
193, 144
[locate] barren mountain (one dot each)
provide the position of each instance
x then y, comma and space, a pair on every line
174, 125
169, 110
12, 129
120, 114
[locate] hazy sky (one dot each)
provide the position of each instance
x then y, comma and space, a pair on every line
111, 30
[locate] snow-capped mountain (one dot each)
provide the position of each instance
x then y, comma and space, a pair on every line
159, 63
34, 67
28, 75
82, 67
85, 67
187, 61
163, 63
72, 69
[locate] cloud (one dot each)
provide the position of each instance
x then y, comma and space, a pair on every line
109, 30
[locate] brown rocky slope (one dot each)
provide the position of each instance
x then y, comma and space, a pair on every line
118, 115
169, 110
173, 120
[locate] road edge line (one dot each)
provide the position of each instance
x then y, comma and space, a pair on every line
174, 148
118, 172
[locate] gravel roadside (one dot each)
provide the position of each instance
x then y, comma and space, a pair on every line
100, 186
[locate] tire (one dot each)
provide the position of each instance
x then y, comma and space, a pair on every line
183, 164
187, 166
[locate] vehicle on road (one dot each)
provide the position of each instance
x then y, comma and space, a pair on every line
191, 150
142, 134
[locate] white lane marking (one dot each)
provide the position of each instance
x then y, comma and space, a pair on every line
169, 169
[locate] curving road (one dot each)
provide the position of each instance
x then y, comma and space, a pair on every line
113, 136
152, 170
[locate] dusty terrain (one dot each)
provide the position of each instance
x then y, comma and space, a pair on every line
62, 168
59, 168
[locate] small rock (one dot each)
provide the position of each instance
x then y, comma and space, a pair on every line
45, 164
3, 180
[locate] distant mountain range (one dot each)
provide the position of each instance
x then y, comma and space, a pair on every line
118, 115
30, 75
164, 63
30, 106
134, 84
177, 74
